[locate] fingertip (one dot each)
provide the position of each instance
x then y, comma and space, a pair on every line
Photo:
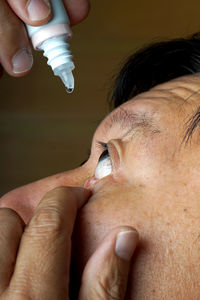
77, 10
126, 242
22, 61
19, 75
106, 274
39, 12
83, 195
16, 75
77, 194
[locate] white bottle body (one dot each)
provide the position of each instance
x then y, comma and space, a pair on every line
52, 39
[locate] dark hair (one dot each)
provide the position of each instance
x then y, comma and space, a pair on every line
156, 64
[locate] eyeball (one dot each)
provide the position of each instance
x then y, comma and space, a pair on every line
104, 166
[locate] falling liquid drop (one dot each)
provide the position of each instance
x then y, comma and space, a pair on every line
69, 90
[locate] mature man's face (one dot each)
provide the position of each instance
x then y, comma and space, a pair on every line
148, 178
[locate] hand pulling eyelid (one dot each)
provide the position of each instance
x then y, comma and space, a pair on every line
52, 39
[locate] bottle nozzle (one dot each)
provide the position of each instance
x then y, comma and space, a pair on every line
65, 73
60, 60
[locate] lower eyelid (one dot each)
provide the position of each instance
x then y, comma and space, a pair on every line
89, 182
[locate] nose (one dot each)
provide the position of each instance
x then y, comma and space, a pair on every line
25, 199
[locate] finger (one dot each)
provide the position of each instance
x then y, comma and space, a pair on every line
106, 274
15, 50
32, 12
11, 229
42, 268
77, 10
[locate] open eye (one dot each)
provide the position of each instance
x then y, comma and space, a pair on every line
104, 165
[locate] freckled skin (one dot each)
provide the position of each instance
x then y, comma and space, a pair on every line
154, 187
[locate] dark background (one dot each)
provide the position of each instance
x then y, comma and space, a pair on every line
43, 130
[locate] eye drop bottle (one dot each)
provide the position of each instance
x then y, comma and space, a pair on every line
52, 39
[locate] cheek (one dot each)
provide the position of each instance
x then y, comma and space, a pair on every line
164, 231
107, 210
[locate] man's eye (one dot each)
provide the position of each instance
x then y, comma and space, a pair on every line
104, 165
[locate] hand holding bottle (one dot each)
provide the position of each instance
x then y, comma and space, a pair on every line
15, 49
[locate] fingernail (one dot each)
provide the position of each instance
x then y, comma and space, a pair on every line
38, 9
126, 243
22, 61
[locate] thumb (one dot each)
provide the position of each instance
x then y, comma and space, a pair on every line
34, 13
106, 273
77, 10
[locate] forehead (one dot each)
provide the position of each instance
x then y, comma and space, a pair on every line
169, 103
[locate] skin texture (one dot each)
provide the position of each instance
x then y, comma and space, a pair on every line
153, 187
35, 259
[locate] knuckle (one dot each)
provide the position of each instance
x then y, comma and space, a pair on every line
47, 222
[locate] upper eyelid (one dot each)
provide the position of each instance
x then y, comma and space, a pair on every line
103, 146
113, 151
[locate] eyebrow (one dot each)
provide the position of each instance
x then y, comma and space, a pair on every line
129, 120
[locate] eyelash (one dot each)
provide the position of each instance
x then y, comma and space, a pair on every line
104, 150
102, 146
